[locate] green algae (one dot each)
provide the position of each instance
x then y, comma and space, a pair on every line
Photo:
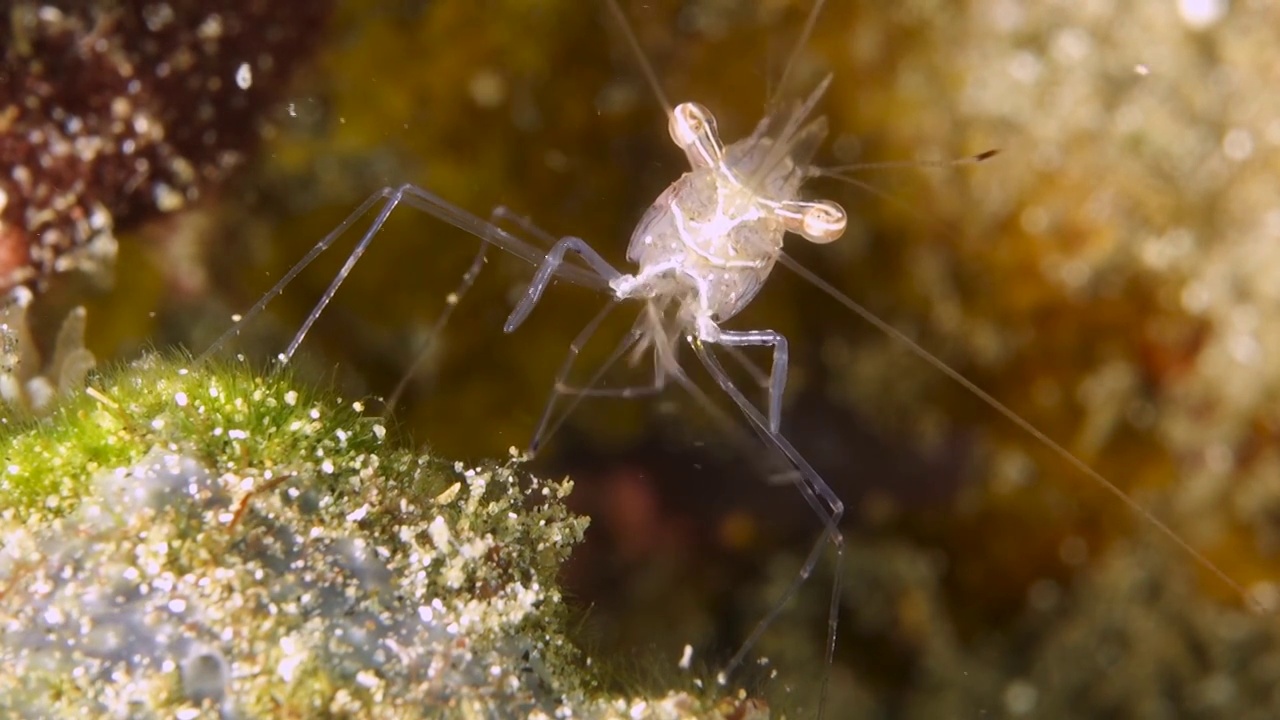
191, 538
222, 414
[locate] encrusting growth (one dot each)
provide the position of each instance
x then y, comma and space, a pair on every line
189, 538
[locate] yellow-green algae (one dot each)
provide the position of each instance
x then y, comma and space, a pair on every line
200, 540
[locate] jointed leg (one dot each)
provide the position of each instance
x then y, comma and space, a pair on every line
437, 328
498, 215
561, 388
387, 194
390, 198
780, 471
782, 475
552, 264
777, 372
816, 493
494, 234
783, 472
758, 376
502, 213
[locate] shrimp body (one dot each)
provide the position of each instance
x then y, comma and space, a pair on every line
710, 240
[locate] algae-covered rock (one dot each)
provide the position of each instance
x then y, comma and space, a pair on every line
198, 540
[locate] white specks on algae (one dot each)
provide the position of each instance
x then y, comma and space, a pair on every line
300, 568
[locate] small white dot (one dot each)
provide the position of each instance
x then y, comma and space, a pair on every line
1200, 14
244, 76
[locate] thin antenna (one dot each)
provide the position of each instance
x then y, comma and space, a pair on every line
646, 67
890, 198
809, 24
1025, 425
830, 171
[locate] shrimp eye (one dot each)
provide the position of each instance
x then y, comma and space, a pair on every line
688, 122
693, 129
822, 222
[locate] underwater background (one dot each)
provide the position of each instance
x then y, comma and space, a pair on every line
1107, 276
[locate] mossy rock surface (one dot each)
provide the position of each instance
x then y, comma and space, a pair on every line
201, 540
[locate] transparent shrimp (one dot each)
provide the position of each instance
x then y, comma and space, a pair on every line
702, 252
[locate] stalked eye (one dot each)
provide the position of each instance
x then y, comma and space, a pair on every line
688, 122
693, 129
822, 222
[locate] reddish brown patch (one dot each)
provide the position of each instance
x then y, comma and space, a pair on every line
112, 114
14, 257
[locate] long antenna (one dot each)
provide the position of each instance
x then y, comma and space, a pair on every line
830, 170
646, 67
1025, 425
809, 24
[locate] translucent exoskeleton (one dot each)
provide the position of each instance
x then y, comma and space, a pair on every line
701, 253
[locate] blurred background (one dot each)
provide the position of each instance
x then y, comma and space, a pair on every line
1108, 276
